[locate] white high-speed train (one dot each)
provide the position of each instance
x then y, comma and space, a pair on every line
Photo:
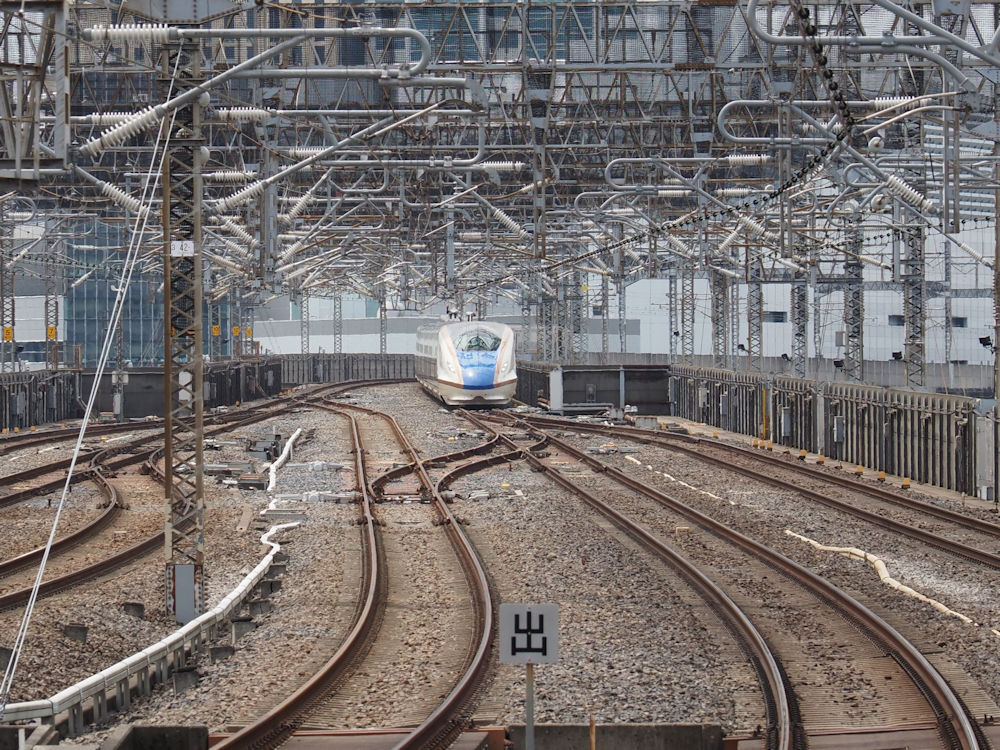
467, 363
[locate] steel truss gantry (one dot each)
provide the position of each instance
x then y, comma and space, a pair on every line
416, 152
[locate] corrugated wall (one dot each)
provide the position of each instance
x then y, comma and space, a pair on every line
298, 369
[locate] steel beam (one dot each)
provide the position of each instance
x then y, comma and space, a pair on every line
687, 315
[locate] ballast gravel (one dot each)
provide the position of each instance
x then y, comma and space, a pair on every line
635, 643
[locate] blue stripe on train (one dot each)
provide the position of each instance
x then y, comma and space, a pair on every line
477, 369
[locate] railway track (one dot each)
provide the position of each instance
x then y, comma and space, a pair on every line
952, 532
915, 683
279, 722
382, 634
101, 463
782, 731
21, 440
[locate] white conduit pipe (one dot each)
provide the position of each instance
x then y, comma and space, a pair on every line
888, 580
281, 460
201, 627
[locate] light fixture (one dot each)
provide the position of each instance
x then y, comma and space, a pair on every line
838, 363
786, 357
897, 356
741, 347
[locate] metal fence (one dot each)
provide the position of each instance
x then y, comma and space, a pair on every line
298, 369
926, 437
37, 397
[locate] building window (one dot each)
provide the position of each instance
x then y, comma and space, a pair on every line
775, 316
896, 320
959, 322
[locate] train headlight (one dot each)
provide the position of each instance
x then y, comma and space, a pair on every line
505, 362
448, 364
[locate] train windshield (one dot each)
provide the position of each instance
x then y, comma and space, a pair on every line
480, 340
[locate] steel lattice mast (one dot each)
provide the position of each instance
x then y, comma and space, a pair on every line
183, 458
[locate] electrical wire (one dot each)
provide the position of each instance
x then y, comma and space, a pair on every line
135, 245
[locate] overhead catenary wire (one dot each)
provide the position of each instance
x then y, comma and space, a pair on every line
142, 217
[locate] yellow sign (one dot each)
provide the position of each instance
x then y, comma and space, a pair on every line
216, 330
8, 333
51, 333
249, 333
236, 330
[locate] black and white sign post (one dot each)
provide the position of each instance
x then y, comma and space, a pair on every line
529, 635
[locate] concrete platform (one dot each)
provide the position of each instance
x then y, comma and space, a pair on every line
902, 739
378, 739
385, 739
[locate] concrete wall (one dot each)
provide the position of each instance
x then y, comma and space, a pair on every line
157, 738
225, 384
623, 736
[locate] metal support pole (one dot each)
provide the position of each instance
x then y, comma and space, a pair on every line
605, 313
755, 314
338, 323
524, 339
383, 324
720, 327
304, 323
183, 459
51, 314
529, 707
118, 376
622, 314
800, 325
687, 316
854, 311
914, 296
236, 316
576, 305
248, 320
215, 330
8, 344
672, 314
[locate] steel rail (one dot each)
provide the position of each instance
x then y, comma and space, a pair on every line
783, 730
443, 725
973, 554
401, 471
228, 420
93, 472
273, 728
34, 556
21, 440
678, 440
54, 585
954, 725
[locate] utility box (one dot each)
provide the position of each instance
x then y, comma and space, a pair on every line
839, 428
